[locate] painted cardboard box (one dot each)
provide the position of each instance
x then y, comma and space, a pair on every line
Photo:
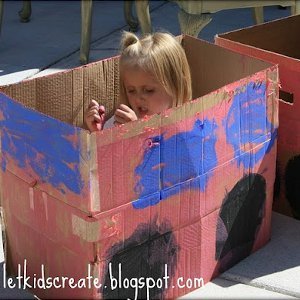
184, 194
278, 42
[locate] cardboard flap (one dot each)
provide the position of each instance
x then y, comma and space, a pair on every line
280, 36
213, 67
66, 95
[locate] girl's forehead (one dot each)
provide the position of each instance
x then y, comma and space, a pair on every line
136, 65
133, 67
136, 74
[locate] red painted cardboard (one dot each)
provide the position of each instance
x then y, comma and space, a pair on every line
278, 42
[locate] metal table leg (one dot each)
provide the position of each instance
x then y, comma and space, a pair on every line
86, 21
1, 12
25, 12
131, 21
142, 11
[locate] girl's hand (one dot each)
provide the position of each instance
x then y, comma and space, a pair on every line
94, 116
124, 114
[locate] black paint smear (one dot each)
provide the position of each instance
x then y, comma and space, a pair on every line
292, 184
277, 181
142, 259
239, 220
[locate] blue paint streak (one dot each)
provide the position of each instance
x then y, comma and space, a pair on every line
247, 123
40, 142
3, 164
183, 156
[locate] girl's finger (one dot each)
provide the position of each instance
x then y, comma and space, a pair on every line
92, 114
120, 120
94, 110
117, 123
123, 114
93, 103
97, 118
125, 108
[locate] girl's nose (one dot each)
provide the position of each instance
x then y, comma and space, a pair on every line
141, 96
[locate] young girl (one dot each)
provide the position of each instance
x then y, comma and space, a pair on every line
154, 76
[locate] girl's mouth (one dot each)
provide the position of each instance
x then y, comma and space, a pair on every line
142, 111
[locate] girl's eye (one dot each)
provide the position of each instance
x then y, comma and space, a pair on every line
131, 91
149, 91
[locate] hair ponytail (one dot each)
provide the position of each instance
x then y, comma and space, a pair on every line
128, 39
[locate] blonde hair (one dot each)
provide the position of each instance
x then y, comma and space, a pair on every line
161, 55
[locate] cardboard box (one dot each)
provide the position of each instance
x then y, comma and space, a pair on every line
189, 190
278, 42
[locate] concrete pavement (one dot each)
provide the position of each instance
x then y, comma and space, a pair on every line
273, 272
50, 43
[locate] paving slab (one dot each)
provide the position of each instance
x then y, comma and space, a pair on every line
108, 46
226, 289
275, 267
10, 292
52, 34
49, 43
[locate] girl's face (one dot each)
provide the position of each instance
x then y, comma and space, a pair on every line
145, 94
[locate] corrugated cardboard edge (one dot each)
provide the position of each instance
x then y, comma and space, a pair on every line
273, 78
87, 231
1, 186
93, 173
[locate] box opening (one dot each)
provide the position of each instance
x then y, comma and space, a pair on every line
66, 95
